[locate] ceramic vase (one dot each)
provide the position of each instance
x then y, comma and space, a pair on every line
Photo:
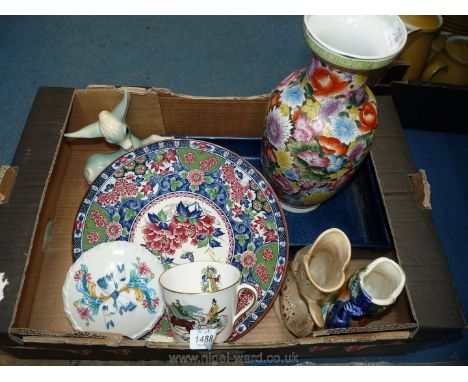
370, 290
319, 269
321, 120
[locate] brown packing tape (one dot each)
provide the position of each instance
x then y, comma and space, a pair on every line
422, 189
7, 181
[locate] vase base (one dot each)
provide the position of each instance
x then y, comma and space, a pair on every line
296, 210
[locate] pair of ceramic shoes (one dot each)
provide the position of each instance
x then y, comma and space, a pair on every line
314, 293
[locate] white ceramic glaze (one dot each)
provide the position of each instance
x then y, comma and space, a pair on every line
359, 36
114, 288
383, 281
204, 295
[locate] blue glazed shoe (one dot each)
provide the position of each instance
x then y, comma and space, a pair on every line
370, 290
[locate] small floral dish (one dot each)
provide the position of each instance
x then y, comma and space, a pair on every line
114, 288
187, 200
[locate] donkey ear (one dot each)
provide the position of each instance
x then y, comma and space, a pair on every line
90, 131
121, 109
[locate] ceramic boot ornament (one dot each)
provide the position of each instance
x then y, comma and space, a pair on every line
321, 120
112, 127
316, 271
370, 290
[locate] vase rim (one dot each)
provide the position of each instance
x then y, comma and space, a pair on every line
372, 42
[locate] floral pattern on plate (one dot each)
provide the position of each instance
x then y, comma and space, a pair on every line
187, 200
114, 287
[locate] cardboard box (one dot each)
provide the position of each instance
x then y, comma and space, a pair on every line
36, 227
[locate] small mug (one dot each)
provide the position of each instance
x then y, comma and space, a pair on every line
203, 295
450, 64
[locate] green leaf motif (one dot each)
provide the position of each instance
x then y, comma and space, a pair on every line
183, 174
251, 247
241, 238
162, 216
116, 218
175, 184
194, 187
208, 179
213, 192
203, 243
128, 214
245, 272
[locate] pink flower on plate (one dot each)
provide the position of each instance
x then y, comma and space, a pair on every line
248, 259
100, 221
313, 159
92, 237
95, 214
196, 177
83, 313
264, 278
213, 161
130, 189
143, 269
169, 332
155, 302
114, 230
260, 270
158, 326
267, 254
78, 275
205, 165
228, 173
189, 157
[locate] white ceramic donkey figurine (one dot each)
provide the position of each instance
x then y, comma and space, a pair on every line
112, 127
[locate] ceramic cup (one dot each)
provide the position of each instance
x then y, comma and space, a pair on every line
422, 30
450, 65
202, 295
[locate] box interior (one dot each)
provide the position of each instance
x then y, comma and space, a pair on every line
40, 316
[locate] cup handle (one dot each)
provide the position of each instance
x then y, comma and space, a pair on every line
432, 69
245, 308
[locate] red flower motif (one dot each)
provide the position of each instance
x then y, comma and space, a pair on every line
367, 117
100, 221
160, 240
147, 188
261, 271
213, 161
332, 145
114, 230
92, 237
95, 215
170, 156
202, 145
205, 165
205, 225
248, 259
78, 275
189, 157
267, 254
143, 269
83, 313
270, 236
228, 173
196, 177
155, 302
244, 299
326, 82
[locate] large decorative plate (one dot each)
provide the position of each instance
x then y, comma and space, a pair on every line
188, 200
114, 287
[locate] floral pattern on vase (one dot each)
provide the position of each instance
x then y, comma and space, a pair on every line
318, 129
185, 201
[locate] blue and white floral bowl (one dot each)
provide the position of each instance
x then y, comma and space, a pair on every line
114, 288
